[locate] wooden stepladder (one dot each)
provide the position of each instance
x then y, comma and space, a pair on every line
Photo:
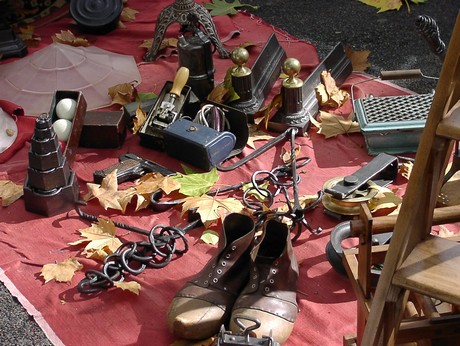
417, 263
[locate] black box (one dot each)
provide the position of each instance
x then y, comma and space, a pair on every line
103, 129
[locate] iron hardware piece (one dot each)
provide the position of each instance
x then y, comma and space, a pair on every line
381, 170
226, 338
264, 73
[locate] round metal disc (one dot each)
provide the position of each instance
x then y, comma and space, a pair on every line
347, 206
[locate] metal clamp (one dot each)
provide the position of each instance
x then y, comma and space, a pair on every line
382, 170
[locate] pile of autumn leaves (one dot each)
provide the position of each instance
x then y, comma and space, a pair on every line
100, 238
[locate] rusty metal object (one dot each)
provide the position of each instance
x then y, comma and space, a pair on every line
179, 12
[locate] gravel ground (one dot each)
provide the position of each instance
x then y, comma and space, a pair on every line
391, 37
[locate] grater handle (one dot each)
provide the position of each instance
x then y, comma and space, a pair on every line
401, 74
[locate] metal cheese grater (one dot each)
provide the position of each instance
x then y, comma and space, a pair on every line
392, 124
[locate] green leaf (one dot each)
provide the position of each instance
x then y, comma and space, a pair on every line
387, 5
384, 5
256, 194
146, 96
222, 7
210, 237
188, 170
197, 184
231, 94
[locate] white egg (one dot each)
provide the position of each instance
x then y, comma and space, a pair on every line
62, 128
65, 109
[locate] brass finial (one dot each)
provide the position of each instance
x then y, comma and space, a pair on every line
240, 56
291, 67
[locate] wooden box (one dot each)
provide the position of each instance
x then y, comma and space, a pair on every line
103, 129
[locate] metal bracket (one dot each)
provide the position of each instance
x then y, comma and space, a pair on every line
265, 72
340, 68
382, 170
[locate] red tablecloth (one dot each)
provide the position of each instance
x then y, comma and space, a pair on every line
28, 241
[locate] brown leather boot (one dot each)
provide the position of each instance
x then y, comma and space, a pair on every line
204, 303
270, 295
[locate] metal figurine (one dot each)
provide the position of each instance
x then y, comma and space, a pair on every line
292, 113
241, 75
51, 186
243, 84
179, 12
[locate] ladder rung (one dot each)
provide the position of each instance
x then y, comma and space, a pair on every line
432, 269
449, 127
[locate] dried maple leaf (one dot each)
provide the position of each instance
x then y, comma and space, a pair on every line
358, 59
384, 202
210, 208
147, 44
67, 37
139, 119
256, 134
128, 14
224, 92
27, 35
166, 42
286, 154
151, 182
61, 271
123, 93
210, 237
125, 197
100, 238
331, 125
120, 25
257, 194
406, 169
106, 193
10, 192
304, 202
331, 96
265, 112
131, 286
248, 44
218, 94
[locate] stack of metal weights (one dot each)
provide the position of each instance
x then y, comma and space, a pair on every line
51, 186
